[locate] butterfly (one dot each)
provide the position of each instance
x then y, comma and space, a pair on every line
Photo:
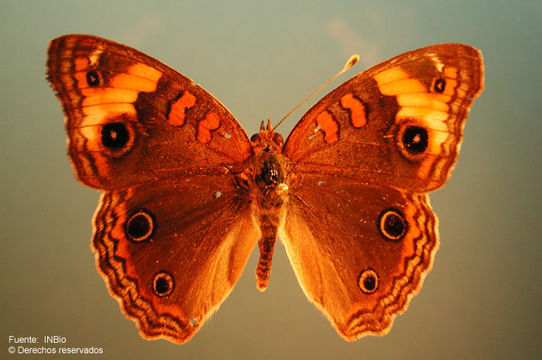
187, 194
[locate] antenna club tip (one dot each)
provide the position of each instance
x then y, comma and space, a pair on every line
351, 62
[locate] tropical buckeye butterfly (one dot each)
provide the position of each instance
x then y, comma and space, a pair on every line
187, 195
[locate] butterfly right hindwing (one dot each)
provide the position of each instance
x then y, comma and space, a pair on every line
359, 252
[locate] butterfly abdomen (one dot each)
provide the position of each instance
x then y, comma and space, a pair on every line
266, 245
269, 198
265, 177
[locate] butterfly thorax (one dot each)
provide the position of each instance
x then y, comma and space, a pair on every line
266, 177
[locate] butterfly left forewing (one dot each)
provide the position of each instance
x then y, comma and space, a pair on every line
132, 119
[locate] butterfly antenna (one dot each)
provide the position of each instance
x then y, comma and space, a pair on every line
351, 61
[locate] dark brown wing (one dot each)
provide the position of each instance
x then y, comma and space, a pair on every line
359, 252
398, 124
171, 252
131, 118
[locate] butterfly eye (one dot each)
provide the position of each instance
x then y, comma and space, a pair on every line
368, 281
278, 139
93, 79
117, 138
392, 224
162, 284
140, 226
255, 138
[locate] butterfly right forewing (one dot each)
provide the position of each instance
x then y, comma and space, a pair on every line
365, 128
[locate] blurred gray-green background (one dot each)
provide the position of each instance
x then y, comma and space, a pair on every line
483, 299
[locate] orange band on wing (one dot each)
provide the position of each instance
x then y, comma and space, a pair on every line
81, 63
451, 80
178, 108
210, 122
395, 81
358, 116
329, 126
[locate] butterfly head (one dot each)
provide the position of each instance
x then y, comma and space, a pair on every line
267, 140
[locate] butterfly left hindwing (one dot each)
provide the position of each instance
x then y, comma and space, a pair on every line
172, 252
